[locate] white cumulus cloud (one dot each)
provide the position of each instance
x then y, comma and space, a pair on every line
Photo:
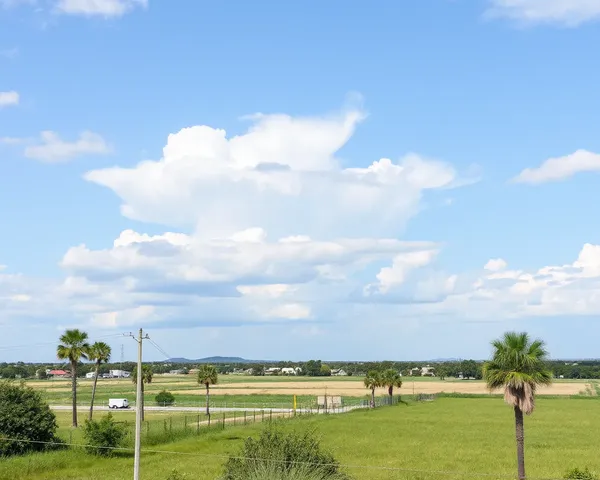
103, 8
570, 13
282, 175
495, 264
9, 98
52, 149
555, 169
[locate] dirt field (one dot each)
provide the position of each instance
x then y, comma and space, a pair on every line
354, 388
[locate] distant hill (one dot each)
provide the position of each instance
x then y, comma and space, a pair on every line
213, 360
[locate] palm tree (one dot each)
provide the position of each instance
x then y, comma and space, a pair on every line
73, 347
207, 376
372, 381
147, 374
519, 366
390, 379
99, 353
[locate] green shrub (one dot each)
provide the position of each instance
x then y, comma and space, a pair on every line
282, 455
26, 422
578, 474
165, 398
102, 437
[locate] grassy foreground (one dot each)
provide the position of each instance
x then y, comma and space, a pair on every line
463, 435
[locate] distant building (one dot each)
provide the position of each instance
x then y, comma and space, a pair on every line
58, 373
119, 374
338, 372
179, 371
272, 371
428, 371
291, 370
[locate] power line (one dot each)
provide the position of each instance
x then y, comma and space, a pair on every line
168, 357
222, 456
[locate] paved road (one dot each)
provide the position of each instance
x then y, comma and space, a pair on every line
202, 410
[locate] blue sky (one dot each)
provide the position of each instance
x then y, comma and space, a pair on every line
421, 174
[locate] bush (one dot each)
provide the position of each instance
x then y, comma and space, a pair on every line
578, 474
26, 422
165, 398
278, 455
103, 437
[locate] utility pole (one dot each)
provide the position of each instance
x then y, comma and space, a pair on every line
138, 406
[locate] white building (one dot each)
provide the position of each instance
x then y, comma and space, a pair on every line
291, 370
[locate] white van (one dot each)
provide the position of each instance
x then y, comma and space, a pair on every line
118, 403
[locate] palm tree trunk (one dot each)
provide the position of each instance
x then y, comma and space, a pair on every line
94, 390
520, 434
372, 398
207, 399
74, 391
391, 393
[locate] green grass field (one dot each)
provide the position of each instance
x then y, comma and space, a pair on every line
466, 436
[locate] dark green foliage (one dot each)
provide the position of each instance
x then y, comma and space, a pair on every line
165, 398
102, 437
26, 418
283, 454
577, 474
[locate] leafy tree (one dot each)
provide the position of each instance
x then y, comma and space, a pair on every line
282, 455
470, 369
99, 353
312, 368
519, 366
147, 375
207, 376
103, 437
372, 381
73, 347
41, 374
165, 398
25, 420
325, 371
442, 372
390, 379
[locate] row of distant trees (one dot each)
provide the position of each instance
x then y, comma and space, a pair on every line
587, 369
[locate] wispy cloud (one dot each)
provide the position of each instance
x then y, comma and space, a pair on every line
9, 99
102, 8
569, 13
53, 149
556, 169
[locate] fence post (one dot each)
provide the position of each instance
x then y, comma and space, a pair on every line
254, 421
244, 417
198, 426
270, 415
185, 423
209, 420
223, 420
263, 415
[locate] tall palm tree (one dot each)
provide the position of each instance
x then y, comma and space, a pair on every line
207, 376
147, 375
372, 381
519, 366
391, 379
73, 347
99, 353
